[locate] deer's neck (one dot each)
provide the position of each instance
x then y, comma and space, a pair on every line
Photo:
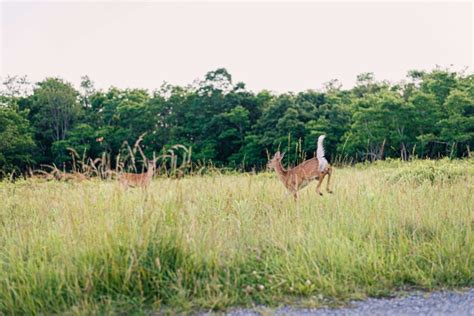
281, 172
149, 172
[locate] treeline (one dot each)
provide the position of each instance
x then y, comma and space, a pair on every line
429, 114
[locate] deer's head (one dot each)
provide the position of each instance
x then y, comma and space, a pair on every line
275, 161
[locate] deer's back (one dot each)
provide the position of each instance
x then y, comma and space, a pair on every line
308, 168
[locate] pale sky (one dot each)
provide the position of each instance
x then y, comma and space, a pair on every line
281, 46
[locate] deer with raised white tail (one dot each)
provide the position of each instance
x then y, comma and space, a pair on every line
138, 179
300, 176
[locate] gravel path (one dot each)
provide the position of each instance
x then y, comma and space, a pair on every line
436, 303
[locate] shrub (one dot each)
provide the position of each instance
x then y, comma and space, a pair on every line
432, 171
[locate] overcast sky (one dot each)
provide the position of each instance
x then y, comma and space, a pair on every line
270, 45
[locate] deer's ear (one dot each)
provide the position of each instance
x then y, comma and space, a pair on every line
281, 156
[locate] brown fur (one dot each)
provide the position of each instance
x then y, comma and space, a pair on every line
137, 179
300, 176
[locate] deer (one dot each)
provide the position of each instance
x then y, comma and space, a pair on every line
295, 179
138, 179
58, 175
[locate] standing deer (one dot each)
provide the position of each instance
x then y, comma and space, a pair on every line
300, 176
138, 179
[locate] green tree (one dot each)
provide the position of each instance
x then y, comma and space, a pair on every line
458, 128
380, 123
55, 107
16, 141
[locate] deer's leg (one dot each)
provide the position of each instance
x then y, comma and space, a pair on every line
329, 179
146, 193
321, 178
295, 195
122, 184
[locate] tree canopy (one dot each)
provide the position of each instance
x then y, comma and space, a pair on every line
428, 114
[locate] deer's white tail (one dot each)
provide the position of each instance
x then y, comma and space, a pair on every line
320, 153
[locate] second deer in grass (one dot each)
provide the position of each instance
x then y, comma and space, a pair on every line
138, 179
300, 176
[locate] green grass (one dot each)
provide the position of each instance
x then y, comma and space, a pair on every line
212, 242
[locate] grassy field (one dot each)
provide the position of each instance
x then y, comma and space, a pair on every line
215, 241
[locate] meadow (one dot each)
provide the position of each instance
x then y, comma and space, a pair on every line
221, 240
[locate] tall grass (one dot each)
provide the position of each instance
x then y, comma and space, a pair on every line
209, 242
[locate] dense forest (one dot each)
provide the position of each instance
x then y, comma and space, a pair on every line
427, 115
